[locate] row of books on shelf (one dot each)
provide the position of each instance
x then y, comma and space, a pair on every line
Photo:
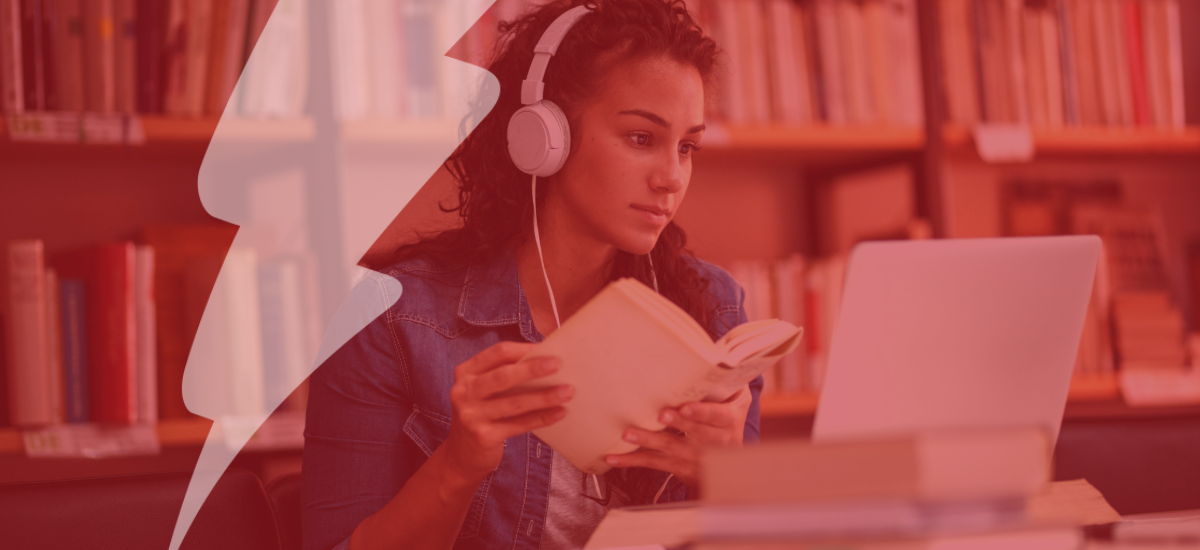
102, 334
838, 62
828, 61
1135, 322
176, 57
1056, 63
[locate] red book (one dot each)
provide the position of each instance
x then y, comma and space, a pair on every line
1137, 63
107, 272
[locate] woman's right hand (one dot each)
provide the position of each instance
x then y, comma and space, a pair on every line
482, 418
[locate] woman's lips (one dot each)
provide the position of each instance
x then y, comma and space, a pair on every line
653, 214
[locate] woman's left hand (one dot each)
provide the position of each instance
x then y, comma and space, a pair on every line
703, 425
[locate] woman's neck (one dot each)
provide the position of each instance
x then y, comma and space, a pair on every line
576, 265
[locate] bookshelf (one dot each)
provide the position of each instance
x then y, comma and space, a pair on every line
1095, 141
808, 155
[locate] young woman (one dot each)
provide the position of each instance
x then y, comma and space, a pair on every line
411, 441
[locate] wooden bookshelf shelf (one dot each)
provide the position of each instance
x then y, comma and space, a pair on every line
815, 139
1107, 141
280, 431
401, 131
174, 130
1089, 396
163, 129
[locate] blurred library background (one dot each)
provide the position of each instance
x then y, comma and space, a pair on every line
837, 121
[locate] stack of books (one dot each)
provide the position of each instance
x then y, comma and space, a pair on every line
1063, 63
979, 489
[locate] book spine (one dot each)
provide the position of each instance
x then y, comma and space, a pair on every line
54, 351
151, 21
12, 86
74, 350
958, 60
1175, 65
33, 55
145, 334
29, 393
1053, 56
199, 42
111, 330
1011, 38
67, 36
175, 73
99, 75
833, 85
232, 51
1070, 72
1132, 19
125, 56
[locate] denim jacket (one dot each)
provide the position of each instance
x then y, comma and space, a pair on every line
380, 405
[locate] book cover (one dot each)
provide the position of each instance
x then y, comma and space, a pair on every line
107, 271
29, 378
99, 56
665, 359
74, 350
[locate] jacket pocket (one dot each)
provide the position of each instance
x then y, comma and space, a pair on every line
429, 430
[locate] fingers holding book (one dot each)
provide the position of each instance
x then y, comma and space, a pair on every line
669, 452
485, 412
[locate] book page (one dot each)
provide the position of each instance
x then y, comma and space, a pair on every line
667, 525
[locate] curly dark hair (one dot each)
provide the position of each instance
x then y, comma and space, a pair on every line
494, 199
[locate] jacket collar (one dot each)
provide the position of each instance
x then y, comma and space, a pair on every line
492, 295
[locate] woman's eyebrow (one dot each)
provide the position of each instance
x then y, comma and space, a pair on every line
658, 120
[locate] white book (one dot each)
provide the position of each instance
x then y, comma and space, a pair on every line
29, 389
630, 352
385, 55
349, 60
243, 325
146, 334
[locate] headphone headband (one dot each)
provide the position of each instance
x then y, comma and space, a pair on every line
532, 87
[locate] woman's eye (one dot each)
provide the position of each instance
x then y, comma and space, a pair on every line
686, 149
640, 140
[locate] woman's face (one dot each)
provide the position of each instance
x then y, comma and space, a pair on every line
631, 156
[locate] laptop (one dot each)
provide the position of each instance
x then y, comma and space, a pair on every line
956, 334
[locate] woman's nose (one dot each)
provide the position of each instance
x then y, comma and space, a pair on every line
669, 177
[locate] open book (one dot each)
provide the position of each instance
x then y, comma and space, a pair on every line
630, 352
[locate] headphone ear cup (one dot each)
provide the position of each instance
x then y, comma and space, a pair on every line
564, 129
539, 138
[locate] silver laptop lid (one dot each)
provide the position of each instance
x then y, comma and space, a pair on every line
956, 334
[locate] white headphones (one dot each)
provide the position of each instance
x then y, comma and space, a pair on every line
539, 137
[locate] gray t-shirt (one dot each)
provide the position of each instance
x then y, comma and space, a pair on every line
572, 517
